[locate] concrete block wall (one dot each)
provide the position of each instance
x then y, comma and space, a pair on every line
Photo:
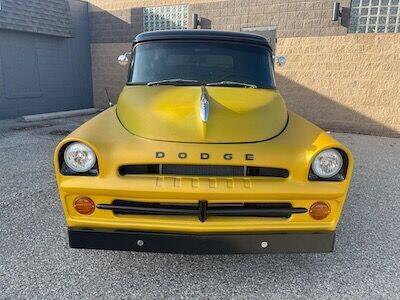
120, 21
344, 83
290, 17
120, 26
50, 17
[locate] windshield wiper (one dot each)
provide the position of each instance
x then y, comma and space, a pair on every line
232, 83
175, 81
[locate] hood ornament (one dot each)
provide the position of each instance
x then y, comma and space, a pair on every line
204, 105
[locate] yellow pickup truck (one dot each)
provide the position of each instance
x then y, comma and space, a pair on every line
200, 155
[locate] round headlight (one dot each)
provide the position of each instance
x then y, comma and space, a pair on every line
79, 157
327, 163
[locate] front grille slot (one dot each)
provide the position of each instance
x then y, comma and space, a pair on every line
203, 209
202, 170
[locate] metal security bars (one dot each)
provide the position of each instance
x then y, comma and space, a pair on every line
165, 17
374, 16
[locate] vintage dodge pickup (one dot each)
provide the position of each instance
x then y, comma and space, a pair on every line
200, 155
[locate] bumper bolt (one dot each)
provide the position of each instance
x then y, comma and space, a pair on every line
140, 243
264, 244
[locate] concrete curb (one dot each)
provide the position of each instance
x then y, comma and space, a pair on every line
61, 114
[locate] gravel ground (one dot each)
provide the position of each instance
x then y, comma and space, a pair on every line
36, 262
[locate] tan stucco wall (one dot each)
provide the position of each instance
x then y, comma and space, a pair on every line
342, 83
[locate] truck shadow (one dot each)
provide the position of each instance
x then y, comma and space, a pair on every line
326, 112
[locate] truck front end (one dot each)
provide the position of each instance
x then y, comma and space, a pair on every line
200, 155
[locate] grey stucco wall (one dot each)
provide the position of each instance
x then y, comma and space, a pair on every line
50, 17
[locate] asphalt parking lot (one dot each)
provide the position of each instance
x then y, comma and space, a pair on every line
36, 262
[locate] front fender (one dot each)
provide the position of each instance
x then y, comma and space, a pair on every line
294, 149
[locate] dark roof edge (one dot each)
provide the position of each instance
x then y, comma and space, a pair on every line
201, 34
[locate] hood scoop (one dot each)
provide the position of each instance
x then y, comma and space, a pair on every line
197, 114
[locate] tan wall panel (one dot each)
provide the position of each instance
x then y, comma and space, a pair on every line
345, 83
290, 17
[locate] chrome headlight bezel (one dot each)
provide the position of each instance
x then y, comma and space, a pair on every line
338, 175
69, 169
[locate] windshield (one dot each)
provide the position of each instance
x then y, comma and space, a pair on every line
202, 62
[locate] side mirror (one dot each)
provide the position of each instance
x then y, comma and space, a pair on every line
123, 59
280, 60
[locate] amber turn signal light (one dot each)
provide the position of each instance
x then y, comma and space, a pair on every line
319, 210
84, 205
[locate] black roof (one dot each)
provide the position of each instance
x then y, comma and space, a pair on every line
200, 34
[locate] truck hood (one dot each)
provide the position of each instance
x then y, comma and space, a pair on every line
173, 113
